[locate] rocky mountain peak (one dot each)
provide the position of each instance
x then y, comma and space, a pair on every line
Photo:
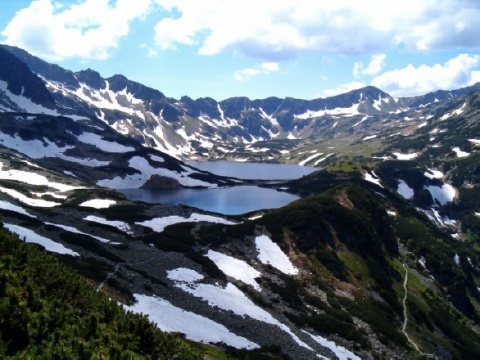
91, 78
21, 81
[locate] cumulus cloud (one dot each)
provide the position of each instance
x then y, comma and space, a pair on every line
409, 81
264, 68
278, 29
344, 88
88, 30
376, 65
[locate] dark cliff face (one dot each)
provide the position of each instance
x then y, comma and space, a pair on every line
91, 78
21, 81
120, 82
48, 71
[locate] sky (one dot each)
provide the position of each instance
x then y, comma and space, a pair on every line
304, 49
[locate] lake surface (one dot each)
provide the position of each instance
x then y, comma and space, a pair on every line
229, 200
254, 171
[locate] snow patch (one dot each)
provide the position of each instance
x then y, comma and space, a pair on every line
157, 158
26, 200
37, 149
404, 190
235, 268
341, 352
401, 156
159, 224
351, 111
270, 253
460, 153
195, 327
5, 205
98, 203
76, 231
32, 237
369, 137
121, 225
433, 174
32, 178
310, 158
456, 258
373, 178
442, 194
107, 146
422, 125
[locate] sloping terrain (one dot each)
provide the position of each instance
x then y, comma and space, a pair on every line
378, 258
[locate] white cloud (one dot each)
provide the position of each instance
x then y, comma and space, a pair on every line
88, 30
376, 64
344, 88
278, 29
264, 68
270, 67
152, 53
455, 73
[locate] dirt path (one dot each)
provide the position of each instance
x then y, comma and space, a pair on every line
100, 286
405, 314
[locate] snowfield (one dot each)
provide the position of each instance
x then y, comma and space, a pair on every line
33, 237
159, 224
195, 327
235, 268
270, 253
229, 298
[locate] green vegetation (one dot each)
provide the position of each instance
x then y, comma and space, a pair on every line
48, 311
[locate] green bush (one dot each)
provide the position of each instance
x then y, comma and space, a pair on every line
48, 311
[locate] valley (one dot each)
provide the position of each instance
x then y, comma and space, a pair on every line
373, 254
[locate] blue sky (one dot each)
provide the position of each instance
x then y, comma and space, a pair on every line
256, 48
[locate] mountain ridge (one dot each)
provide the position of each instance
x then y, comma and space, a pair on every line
183, 128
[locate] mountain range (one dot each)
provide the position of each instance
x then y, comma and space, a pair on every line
377, 259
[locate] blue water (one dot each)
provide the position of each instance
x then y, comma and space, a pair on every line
230, 200
253, 171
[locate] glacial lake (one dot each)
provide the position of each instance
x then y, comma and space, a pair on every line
234, 200
253, 170
229, 201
